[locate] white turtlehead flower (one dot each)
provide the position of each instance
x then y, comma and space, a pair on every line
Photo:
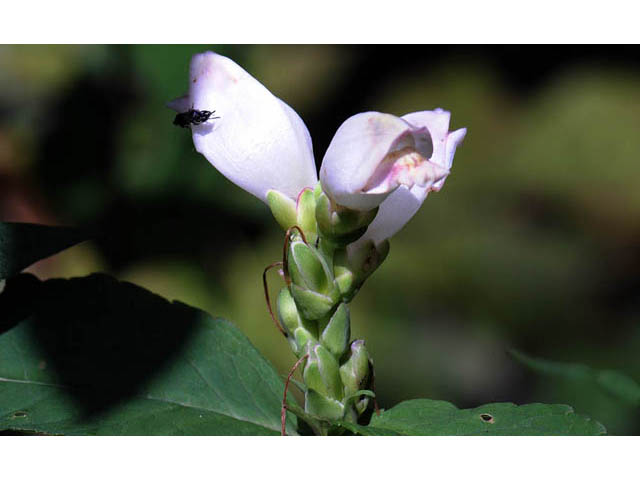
258, 142
374, 153
416, 163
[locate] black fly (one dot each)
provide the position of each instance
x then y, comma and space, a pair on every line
193, 117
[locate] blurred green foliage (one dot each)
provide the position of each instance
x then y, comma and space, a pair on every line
533, 243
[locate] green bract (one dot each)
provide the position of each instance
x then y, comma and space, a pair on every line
338, 224
300, 213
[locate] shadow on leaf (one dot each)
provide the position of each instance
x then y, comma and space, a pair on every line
103, 338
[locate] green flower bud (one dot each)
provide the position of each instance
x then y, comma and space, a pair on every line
301, 340
321, 406
344, 277
355, 263
298, 330
306, 214
287, 311
283, 208
354, 373
312, 285
335, 336
314, 306
312, 376
339, 224
307, 268
322, 372
301, 213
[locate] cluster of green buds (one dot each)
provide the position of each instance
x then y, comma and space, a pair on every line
313, 307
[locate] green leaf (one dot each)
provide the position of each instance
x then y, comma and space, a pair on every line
434, 417
614, 383
96, 356
368, 431
22, 244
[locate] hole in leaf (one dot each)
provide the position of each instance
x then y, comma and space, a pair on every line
487, 418
19, 414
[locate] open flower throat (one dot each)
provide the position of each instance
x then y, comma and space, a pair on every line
405, 167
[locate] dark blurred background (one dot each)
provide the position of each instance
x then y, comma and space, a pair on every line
533, 244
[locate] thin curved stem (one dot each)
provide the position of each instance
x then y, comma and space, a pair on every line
283, 412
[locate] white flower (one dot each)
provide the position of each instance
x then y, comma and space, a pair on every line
374, 153
258, 142
261, 144
402, 203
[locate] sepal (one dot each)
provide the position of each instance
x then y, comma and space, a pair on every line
283, 208
314, 306
308, 269
335, 336
306, 214
298, 333
300, 213
354, 264
356, 376
322, 372
354, 373
323, 407
339, 224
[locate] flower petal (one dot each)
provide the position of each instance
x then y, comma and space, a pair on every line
259, 142
444, 143
394, 213
453, 140
401, 205
356, 151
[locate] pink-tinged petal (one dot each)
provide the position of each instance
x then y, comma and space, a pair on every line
355, 152
394, 213
401, 205
374, 153
437, 122
453, 140
258, 142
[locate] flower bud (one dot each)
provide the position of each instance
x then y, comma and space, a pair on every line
300, 213
312, 285
323, 407
322, 372
354, 373
283, 208
298, 333
353, 265
314, 306
306, 214
335, 336
307, 268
